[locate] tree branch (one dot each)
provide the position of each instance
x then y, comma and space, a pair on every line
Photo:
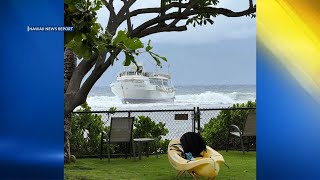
175, 15
80, 71
172, 26
94, 76
112, 19
109, 6
101, 59
250, 4
129, 25
158, 28
153, 10
229, 13
183, 14
125, 7
74, 84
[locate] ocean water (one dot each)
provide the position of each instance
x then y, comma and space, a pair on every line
187, 97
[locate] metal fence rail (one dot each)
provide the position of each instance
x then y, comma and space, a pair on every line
177, 121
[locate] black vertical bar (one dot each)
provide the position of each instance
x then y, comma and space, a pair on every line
129, 114
198, 118
194, 120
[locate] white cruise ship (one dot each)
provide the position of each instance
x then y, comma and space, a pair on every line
137, 86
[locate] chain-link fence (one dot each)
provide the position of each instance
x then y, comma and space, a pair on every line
207, 114
178, 121
176, 127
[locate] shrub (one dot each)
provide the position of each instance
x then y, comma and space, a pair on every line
146, 128
215, 132
86, 129
163, 145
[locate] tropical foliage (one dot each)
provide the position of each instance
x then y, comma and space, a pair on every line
215, 131
145, 127
87, 128
86, 131
88, 36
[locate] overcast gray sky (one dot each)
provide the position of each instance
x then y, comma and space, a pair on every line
222, 53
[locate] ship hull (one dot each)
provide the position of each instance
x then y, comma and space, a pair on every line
137, 91
142, 101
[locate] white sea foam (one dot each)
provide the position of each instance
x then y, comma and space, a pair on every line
206, 99
187, 97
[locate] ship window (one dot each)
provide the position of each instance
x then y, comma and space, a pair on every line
131, 73
165, 82
155, 81
148, 74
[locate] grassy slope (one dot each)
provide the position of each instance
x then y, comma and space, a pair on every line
241, 167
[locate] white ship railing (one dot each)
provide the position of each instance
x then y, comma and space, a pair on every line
131, 73
146, 74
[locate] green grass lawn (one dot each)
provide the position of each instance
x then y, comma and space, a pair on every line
241, 167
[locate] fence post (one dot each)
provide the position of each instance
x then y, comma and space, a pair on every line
198, 118
194, 120
129, 113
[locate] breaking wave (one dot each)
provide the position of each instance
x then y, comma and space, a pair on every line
206, 99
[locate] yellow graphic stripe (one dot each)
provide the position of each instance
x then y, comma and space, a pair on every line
290, 30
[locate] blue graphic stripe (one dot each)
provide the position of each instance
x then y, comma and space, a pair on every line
31, 134
287, 124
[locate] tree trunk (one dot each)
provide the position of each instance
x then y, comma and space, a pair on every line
69, 67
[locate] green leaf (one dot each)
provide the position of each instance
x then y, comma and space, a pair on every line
131, 43
82, 50
148, 48
101, 45
98, 5
163, 58
210, 21
84, 37
121, 36
112, 110
68, 36
88, 4
73, 44
85, 51
79, 6
128, 60
134, 43
78, 21
96, 27
156, 58
189, 21
78, 37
